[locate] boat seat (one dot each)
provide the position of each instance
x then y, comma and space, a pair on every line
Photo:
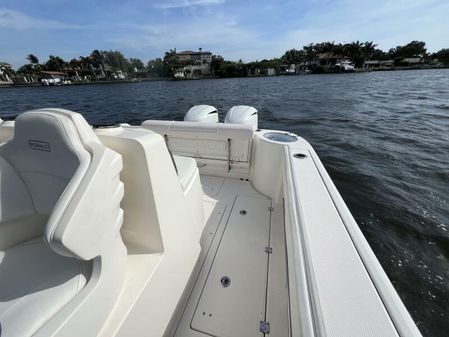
45, 179
35, 283
21, 229
187, 170
219, 149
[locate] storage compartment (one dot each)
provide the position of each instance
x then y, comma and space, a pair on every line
233, 299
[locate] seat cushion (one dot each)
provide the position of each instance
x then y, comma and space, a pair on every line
22, 229
35, 283
187, 170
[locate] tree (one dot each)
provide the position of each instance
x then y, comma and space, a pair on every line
217, 65
156, 67
443, 56
412, 49
136, 64
368, 49
33, 59
116, 61
170, 63
55, 63
97, 61
293, 56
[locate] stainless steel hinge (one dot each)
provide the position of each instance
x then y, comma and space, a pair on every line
268, 250
264, 327
270, 209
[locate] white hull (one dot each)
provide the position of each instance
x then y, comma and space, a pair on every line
247, 236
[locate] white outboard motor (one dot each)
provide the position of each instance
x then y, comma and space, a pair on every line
202, 113
242, 114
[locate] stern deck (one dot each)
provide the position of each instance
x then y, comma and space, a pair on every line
241, 279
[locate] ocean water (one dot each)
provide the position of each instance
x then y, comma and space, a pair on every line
382, 136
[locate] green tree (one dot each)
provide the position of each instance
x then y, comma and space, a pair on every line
97, 61
293, 56
368, 49
443, 56
217, 65
116, 61
156, 67
170, 63
33, 59
55, 63
136, 64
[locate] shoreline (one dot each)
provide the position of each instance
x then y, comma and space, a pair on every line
155, 79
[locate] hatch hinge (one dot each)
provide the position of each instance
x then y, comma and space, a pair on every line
264, 327
268, 250
270, 209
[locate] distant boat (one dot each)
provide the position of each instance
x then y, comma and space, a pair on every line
345, 66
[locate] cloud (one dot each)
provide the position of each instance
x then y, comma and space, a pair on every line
188, 3
10, 19
387, 23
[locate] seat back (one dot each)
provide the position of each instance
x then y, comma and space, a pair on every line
45, 151
71, 177
220, 149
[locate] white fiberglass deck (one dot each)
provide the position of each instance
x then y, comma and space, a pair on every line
239, 283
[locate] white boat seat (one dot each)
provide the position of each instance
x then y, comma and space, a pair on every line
219, 149
22, 229
187, 170
35, 283
48, 182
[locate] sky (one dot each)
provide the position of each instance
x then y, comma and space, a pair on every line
236, 29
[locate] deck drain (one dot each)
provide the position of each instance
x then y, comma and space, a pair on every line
300, 155
225, 281
243, 212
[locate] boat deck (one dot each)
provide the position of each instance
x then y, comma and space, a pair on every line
241, 279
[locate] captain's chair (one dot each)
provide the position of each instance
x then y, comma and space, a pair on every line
61, 253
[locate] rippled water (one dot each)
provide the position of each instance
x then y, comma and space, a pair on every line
383, 137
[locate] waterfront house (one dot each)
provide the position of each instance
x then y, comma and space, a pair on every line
196, 63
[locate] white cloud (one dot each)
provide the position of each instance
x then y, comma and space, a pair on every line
11, 19
388, 23
188, 3
219, 33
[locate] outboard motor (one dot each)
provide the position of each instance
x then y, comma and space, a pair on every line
202, 113
242, 114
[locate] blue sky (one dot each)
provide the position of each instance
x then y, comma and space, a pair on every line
244, 29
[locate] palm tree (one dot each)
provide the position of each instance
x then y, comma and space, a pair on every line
355, 53
97, 59
368, 49
33, 59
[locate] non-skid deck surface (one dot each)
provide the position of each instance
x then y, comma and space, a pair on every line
236, 289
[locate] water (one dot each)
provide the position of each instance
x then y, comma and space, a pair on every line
383, 137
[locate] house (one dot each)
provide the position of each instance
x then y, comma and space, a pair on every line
196, 62
195, 57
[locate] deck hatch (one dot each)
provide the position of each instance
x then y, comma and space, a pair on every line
238, 308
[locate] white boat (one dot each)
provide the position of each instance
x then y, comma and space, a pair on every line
345, 65
180, 228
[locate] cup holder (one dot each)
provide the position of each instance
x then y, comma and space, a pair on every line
281, 137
